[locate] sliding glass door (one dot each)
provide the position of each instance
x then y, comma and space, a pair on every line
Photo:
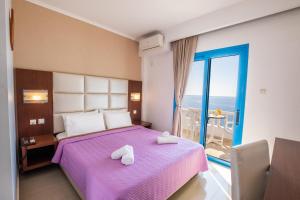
221, 106
213, 105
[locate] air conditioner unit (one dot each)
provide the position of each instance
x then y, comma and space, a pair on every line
151, 42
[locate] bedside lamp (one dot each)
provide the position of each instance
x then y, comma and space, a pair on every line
135, 96
35, 96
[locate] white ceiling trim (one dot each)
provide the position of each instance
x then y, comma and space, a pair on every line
69, 14
245, 11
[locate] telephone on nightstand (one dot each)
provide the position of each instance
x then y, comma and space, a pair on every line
28, 141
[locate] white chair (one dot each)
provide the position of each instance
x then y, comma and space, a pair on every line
190, 122
249, 168
215, 130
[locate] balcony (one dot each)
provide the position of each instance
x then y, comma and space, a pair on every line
219, 131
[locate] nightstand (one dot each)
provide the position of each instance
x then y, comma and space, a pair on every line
39, 154
144, 124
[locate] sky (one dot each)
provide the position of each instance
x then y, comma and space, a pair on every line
223, 80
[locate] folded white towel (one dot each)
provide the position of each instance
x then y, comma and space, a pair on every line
165, 134
117, 154
128, 157
167, 139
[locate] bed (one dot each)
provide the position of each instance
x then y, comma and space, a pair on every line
82, 103
158, 171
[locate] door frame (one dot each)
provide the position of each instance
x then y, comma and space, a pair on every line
206, 56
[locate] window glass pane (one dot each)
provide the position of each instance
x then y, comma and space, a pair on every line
193, 92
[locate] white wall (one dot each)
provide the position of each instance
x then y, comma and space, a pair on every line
157, 91
241, 12
8, 168
273, 65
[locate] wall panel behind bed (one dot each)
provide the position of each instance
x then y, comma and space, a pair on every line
69, 93
33, 80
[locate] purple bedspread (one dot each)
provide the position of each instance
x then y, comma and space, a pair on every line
158, 170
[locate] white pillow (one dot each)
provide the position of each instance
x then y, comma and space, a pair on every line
83, 123
117, 119
58, 120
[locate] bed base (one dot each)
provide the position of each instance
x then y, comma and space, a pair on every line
72, 183
81, 196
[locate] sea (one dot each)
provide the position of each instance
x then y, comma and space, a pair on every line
220, 102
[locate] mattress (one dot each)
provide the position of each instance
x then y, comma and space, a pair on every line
158, 170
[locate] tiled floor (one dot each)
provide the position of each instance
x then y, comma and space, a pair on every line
50, 184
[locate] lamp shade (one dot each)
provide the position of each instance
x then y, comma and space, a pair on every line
135, 96
35, 96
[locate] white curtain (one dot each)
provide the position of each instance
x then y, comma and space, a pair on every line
183, 54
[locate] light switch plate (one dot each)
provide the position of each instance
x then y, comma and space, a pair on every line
41, 121
32, 122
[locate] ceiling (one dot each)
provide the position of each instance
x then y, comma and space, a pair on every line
134, 18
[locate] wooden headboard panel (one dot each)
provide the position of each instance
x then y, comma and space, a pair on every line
42, 80
33, 80
135, 87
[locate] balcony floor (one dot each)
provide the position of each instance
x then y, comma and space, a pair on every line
212, 149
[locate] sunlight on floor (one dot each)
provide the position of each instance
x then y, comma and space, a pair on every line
223, 171
214, 152
211, 185
220, 151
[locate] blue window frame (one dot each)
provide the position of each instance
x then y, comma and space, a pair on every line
207, 56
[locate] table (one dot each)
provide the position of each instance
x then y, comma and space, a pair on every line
284, 178
39, 154
143, 123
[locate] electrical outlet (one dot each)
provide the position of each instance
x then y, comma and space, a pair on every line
263, 91
41, 121
32, 122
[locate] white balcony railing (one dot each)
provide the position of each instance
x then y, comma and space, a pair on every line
216, 128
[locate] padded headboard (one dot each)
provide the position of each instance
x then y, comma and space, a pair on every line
80, 93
